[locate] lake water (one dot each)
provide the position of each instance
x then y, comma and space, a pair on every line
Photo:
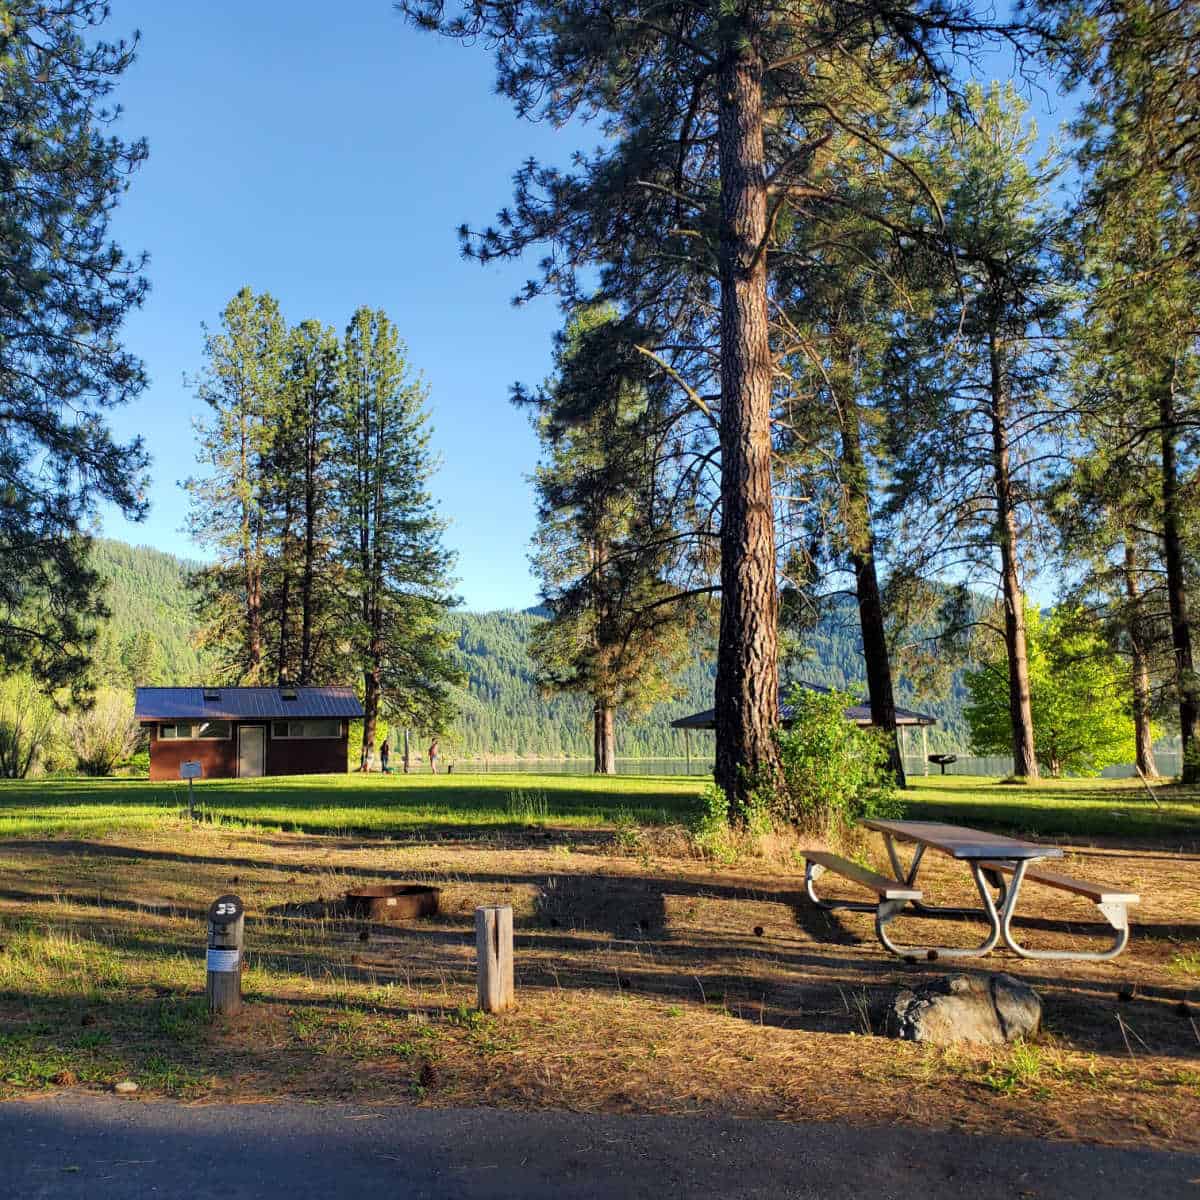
996, 767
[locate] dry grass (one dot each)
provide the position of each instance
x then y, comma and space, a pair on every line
645, 984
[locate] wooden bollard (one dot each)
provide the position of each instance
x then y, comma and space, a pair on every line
226, 917
494, 942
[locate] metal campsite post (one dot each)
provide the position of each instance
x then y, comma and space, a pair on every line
191, 770
226, 918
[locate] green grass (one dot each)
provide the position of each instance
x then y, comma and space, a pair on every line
1058, 807
397, 805
359, 804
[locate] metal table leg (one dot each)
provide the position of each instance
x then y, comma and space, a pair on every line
908, 878
1116, 915
889, 910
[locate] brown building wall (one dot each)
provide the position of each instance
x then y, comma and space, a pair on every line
285, 756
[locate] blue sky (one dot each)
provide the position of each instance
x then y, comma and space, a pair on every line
327, 156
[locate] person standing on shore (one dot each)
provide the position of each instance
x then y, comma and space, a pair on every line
433, 756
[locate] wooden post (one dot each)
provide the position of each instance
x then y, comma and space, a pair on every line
494, 942
406, 750
226, 917
925, 751
687, 747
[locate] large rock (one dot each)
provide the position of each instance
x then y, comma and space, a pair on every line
990, 1009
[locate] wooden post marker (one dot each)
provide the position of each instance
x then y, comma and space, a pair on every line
226, 916
494, 941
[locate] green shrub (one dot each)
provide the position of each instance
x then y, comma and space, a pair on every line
834, 773
712, 831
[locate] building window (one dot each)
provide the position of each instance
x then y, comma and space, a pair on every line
306, 729
195, 731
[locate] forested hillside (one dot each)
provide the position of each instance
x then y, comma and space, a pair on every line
150, 639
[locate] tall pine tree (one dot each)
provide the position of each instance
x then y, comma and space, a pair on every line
65, 290
609, 548
395, 573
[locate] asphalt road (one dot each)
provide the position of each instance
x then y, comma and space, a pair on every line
106, 1146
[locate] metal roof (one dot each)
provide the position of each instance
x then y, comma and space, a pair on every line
860, 714
243, 703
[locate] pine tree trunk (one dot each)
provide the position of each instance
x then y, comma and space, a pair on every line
747, 689
1143, 733
1019, 702
604, 746
1181, 632
870, 602
249, 566
284, 665
285, 648
308, 567
371, 693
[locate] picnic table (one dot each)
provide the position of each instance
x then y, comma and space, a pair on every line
997, 863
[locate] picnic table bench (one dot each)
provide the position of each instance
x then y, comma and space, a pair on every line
996, 862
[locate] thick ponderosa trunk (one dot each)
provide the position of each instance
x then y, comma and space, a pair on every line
604, 746
747, 690
1019, 702
1181, 632
1140, 667
870, 602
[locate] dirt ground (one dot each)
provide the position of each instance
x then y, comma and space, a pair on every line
645, 983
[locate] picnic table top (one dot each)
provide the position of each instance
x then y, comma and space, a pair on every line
961, 842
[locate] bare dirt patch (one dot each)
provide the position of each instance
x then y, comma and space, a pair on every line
645, 984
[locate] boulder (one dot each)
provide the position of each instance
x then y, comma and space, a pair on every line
989, 1009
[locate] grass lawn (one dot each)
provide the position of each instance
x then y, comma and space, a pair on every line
646, 981
357, 804
399, 806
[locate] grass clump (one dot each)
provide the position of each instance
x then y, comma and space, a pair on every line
528, 805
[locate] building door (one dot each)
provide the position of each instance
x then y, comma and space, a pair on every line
252, 751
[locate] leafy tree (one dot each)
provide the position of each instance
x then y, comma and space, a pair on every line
607, 539
395, 573
105, 734
28, 719
834, 771
716, 120
1080, 698
65, 289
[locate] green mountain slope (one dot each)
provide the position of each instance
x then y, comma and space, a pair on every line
150, 639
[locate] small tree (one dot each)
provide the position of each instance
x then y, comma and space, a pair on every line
27, 722
105, 734
834, 771
1079, 689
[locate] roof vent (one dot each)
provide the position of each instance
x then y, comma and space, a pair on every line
287, 693
211, 694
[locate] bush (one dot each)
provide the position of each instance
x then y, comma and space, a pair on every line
834, 773
28, 721
712, 833
105, 734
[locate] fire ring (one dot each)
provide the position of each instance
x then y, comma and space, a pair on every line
401, 902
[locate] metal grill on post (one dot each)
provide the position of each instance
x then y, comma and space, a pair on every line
226, 917
191, 770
